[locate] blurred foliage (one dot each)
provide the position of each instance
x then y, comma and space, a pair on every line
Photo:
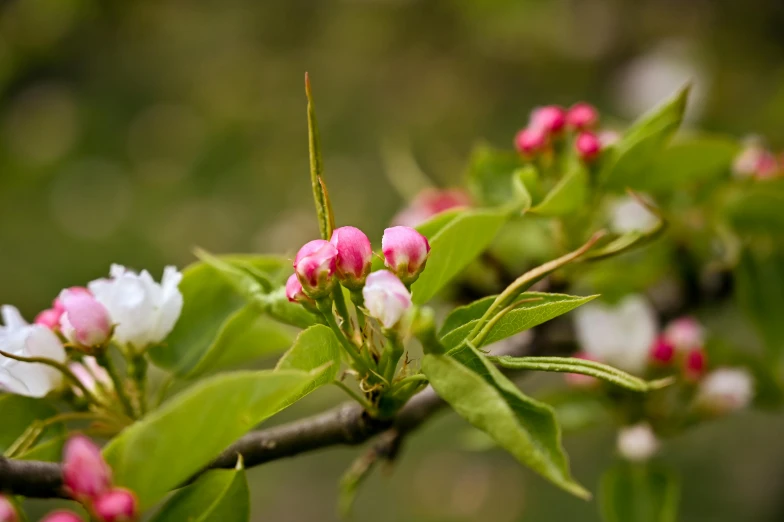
135, 131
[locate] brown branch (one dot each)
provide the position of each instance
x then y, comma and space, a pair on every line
347, 424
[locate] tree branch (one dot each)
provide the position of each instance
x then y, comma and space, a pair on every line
347, 424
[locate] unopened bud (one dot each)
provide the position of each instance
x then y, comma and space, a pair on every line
638, 442
49, 318
315, 266
93, 376
84, 322
530, 141
588, 146
62, 516
386, 297
85, 474
7, 511
694, 364
430, 202
405, 252
662, 351
550, 118
117, 505
355, 256
685, 333
582, 116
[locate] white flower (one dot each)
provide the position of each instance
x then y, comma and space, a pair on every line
629, 215
143, 311
386, 297
28, 340
620, 335
638, 442
726, 389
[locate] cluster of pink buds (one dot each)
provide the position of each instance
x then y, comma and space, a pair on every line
88, 480
347, 258
549, 123
79, 317
7, 511
755, 161
682, 341
430, 202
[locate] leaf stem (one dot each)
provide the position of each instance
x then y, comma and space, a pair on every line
105, 360
357, 397
325, 307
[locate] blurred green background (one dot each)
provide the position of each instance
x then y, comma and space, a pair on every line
133, 131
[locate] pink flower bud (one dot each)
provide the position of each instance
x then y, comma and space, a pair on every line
685, 333
85, 321
530, 141
7, 511
582, 116
354, 256
85, 474
117, 505
430, 202
405, 252
49, 318
767, 166
550, 118
694, 364
386, 297
90, 374
726, 390
588, 146
57, 304
662, 351
579, 380
62, 516
315, 266
294, 291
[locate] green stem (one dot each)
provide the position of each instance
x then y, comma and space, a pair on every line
165, 385
325, 306
137, 369
354, 395
62, 368
342, 309
392, 353
106, 361
359, 301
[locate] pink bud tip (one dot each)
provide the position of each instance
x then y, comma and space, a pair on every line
685, 333
662, 351
62, 516
767, 165
694, 364
7, 511
405, 252
530, 141
355, 256
386, 297
550, 118
117, 505
57, 304
588, 146
315, 266
294, 292
85, 321
49, 318
85, 474
582, 116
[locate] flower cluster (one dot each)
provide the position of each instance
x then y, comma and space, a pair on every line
88, 480
430, 202
347, 259
548, 125
127, 308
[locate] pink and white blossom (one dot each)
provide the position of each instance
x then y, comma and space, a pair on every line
637, 443
430, 202
85, 321
315, 266
93, 376
726, 389
355, 256
386, 297
26, 340
142, 311
685, 333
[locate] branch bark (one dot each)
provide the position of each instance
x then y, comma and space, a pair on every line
347, 424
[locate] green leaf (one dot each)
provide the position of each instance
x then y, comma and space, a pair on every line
314, 348
481, 394
643, 142
639, 493
217, 496
490, 177
457, 244
759, 278
323, 207
523, 181
580, 366
688, 162
167, 447
567, 196
245, 337
539, 307
18, 413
